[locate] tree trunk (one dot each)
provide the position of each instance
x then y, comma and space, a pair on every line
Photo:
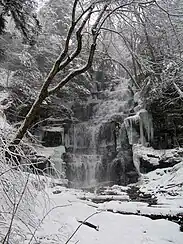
63, 61
29, 118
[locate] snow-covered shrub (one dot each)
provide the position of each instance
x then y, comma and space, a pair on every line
17, 202
19, 190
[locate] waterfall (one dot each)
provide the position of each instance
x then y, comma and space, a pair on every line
84, 157
91, 144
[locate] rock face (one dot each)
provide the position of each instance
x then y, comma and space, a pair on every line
168, 122
49, 160
85, 111
148, 159
99, 141
52, 136
158, 128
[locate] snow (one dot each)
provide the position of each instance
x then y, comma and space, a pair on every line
52, 212
53, 128
15, 190
138, 207
5, 127
6, 77
166, 184
58, 209
116, 219
41, 3
113, 227
54, 154
116, 190
153, 156
123, 197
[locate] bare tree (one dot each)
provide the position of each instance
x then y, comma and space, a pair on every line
23, 15
96, 12
87, 22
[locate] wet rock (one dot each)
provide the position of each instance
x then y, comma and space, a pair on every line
52, 136
85, 111
40, 164
136, 195
168, 122
79, 138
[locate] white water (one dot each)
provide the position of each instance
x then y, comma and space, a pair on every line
84, 158
115, 104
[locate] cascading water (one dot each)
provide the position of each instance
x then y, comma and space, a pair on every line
83, 158
91, 144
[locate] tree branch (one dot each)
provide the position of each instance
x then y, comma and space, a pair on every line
178, 90
79, 42
74, 10
77, 72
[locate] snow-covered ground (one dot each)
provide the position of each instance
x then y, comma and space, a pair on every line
50, 213
166, 184
59, 210
67, 209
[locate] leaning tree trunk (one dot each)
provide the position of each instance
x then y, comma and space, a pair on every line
29, 118
26, 124
62, 62
43, 94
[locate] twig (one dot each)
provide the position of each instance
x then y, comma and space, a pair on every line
80, 226
33, 236
15, 208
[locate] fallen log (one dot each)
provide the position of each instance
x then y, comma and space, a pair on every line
105, 198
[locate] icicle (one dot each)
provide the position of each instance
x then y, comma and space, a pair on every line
74, 139
130, 128
146, 126
136, 159
141, 131
129, 123
151, 129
